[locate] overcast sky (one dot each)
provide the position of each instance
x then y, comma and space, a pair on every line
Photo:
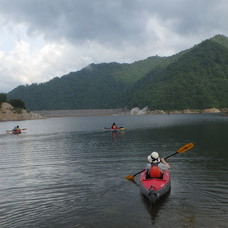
42, 39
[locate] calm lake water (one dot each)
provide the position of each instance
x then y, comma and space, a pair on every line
69, 172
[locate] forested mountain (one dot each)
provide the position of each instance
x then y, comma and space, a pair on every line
199, 79
194, 78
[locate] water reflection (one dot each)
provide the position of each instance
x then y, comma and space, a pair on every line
65, 172
153, 209
114, 135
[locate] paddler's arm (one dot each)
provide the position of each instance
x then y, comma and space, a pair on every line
165, 163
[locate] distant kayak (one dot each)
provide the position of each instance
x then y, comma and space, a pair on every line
114, 130
154, 188
15, 132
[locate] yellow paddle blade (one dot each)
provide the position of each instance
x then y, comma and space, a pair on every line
185, 148
130, 177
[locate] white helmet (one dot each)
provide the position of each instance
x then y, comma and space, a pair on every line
154, 157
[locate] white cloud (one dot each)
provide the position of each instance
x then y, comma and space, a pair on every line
44, 39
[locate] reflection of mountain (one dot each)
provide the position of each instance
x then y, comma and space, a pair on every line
153, 209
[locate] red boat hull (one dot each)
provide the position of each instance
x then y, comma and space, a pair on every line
154, 188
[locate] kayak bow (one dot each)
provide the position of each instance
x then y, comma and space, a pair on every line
154, 188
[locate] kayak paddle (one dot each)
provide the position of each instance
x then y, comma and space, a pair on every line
119, 128
180, 150
20, 129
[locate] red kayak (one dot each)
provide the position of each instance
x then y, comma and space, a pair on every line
115, 130
16, 132
154, 188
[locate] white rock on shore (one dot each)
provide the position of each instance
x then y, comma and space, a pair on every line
138, 111
8, 113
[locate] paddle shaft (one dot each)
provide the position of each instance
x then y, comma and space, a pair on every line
8, 131
132, 176
114, 129
145, 169
181, 150
138, 172
170, 155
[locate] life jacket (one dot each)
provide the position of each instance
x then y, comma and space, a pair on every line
114, 127
17, 131
155, 171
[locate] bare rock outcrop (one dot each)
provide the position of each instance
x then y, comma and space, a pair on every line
9, 113
138, 111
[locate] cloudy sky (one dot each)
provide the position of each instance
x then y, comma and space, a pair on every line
42, 39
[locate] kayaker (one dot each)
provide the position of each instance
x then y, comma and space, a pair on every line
156, 166
114, 127
16, 130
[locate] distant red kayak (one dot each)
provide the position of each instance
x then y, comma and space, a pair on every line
154, 188
114, 130
16, 132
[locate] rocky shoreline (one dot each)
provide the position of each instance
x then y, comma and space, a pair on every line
146, 111
9, 113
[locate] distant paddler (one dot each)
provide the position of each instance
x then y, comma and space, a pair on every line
16, 130
114, 127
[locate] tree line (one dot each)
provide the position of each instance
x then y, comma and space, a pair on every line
16, 103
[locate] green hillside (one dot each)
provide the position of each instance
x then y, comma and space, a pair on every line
199, 79
194, 78
96, 86
91, 87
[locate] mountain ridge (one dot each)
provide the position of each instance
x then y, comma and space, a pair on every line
193, 78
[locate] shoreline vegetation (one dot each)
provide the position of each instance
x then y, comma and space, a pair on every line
8, 113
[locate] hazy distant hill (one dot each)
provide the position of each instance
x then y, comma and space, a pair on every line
194, 78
